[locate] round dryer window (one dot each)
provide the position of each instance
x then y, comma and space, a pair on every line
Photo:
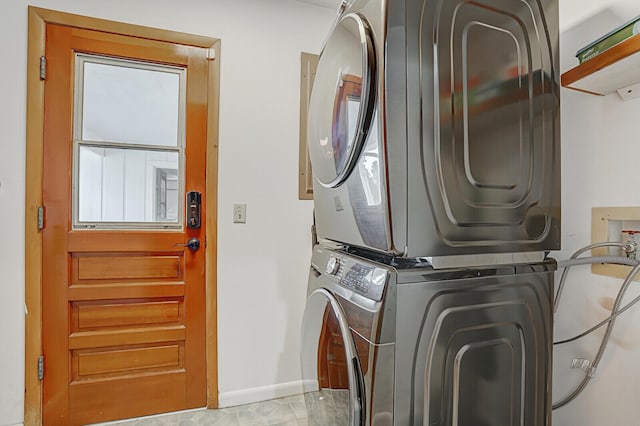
342, 101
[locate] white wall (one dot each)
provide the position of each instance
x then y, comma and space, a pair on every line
263, 264
599, 149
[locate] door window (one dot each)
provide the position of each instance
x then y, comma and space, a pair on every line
128, 144
330, 368
342, 101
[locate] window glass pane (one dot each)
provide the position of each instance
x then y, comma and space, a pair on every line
127, 185
325, 361
338, 99
130, 105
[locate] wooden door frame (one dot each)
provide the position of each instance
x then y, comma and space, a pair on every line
38, 20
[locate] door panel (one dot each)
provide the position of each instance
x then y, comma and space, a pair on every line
90, 316
127, 267
90, 398
123, 309
102, 362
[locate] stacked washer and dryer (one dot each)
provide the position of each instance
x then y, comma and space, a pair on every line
435, 145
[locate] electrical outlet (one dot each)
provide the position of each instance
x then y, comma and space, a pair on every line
240, 213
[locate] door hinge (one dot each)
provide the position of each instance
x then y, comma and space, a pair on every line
40, 367
43, 68
40, 218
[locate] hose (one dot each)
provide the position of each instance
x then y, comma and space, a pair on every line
601, 323
627, 247
610, 321
616, 260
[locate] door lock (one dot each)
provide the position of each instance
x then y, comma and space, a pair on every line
193, 244
194, 201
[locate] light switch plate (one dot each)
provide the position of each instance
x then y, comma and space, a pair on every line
239, 213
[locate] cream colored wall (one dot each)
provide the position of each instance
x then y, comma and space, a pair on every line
263, 264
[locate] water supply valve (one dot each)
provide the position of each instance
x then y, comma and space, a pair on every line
632, 239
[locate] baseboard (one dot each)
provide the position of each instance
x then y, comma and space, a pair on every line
262, 393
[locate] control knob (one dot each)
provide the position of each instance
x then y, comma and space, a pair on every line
333, 265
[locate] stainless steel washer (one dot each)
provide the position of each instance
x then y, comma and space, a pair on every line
347, 341
394, 342
473, 346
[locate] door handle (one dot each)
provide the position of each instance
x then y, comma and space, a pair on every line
193, 244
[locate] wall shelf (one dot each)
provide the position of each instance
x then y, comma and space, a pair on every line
616, 69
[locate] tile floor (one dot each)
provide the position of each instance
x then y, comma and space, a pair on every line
288, 411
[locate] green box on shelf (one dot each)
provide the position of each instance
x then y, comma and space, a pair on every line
609, 40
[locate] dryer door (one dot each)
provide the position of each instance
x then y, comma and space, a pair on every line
342, 101
332, 377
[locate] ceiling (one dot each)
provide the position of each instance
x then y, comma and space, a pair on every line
330, 4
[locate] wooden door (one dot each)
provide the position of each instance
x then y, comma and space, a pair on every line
123, 300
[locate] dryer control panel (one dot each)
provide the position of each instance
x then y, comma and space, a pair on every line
362, 278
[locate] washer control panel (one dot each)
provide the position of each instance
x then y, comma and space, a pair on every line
362, 278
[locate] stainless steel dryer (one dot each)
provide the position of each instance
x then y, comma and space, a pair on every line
434, 127
398, 343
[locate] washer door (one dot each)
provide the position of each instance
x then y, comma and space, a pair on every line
332, 377
342, 101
